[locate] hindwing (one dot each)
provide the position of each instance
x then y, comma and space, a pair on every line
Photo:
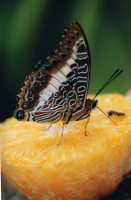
62, 81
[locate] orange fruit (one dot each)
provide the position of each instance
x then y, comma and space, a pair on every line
81, 167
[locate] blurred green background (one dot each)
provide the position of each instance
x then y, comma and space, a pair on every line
30, 30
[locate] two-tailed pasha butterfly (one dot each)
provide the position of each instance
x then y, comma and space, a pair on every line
57, 89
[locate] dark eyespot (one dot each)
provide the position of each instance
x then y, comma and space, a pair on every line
20, 115
25, 105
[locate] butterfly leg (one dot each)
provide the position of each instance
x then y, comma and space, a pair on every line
48, 127
65, 120
84, 116
88, 119
61, 134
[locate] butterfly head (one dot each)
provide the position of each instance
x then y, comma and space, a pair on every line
91, 104
94, 104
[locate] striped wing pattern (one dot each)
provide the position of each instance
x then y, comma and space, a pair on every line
68, 75
57, 88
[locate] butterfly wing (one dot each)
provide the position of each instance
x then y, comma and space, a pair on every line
72, 59
69, 71
61, 81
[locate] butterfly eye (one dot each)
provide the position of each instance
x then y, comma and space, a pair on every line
94, 103
20, 115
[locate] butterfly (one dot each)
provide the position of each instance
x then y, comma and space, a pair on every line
57, 88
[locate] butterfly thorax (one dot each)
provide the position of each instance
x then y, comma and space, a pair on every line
81, 112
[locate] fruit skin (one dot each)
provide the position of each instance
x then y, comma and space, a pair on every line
81, 167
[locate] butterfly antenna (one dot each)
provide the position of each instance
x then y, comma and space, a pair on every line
113, 76
107, 115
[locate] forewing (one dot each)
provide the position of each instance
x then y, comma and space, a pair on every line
72, 60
